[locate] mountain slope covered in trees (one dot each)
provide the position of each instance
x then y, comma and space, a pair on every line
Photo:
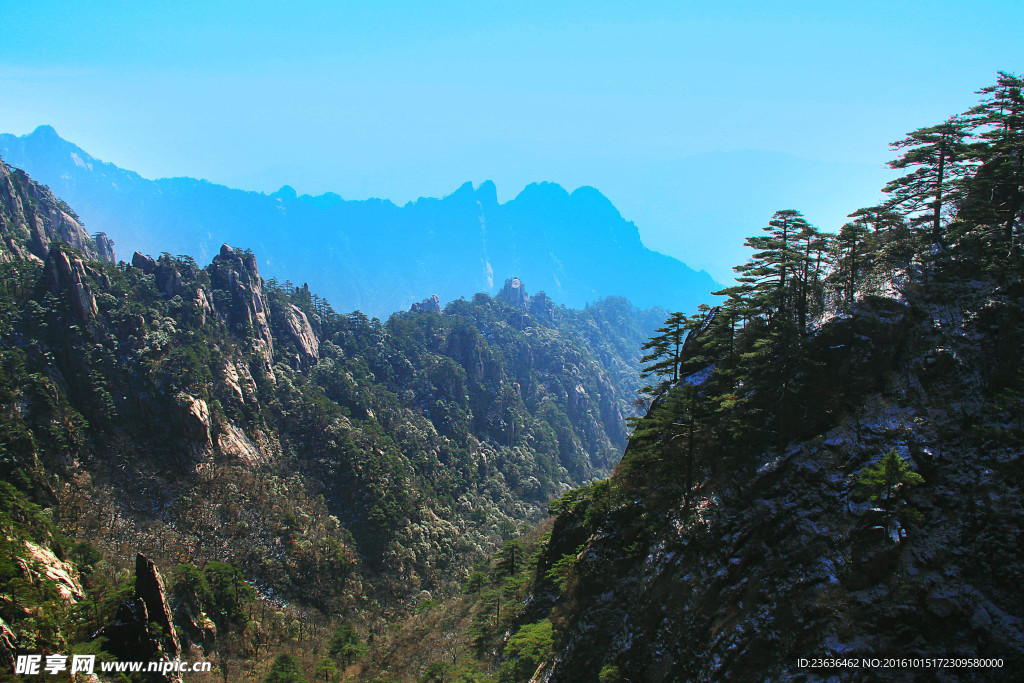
372, 255
240, 431
829, 465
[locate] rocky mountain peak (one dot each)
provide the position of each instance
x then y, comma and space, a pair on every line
45, 132
236, 273
487, 193
541, 307
286, 193
431, 304
514, 292
168, 279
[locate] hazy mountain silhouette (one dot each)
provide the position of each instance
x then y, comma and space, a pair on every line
371, 254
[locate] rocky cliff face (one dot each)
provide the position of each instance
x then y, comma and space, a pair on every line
246, 312
66, 274
32, 219
748, 577
301, 332
40, 563
514, 293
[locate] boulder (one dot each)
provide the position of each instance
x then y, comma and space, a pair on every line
196, 629
144, 263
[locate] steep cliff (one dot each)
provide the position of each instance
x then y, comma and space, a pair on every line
790, 552
32, 219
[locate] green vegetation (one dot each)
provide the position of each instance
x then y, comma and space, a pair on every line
610, 674
886, 482
750, 374
245, 434
286, 669
525, 651
913, 302
324, 484
345, 646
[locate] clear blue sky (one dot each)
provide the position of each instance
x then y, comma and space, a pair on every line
403, 99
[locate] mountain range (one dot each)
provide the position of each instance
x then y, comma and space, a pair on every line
372, 255
822, 479
164, 405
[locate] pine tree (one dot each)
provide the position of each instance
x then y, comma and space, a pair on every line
850, 245
996, 192
345, 646
326, 670
510, 558
664, 358
814, 244
285, 669
736, 307
940, 158
883, 480
776, 262
878, 218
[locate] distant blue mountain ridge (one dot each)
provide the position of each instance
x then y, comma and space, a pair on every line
373, 255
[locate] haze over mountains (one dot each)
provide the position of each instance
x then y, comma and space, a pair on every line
372, 255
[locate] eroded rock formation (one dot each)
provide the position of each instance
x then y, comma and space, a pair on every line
66, 274
514, 292
236, 273
142, 629
32, 220
149, 587
299, 330
431, 304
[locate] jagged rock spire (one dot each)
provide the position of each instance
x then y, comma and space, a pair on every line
514, 292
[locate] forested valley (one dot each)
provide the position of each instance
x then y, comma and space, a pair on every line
825, 463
